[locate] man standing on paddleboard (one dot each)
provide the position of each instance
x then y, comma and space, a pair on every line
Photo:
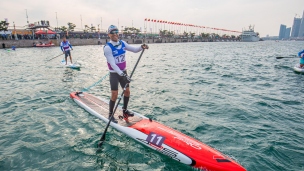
66, 49
301, 55
115, 51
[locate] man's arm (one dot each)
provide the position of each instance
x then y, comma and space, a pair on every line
70, 46
299, 54
132, 48
61, 47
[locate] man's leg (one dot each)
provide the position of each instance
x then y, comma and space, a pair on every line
127, 113
70, 57
126, 98
114, 93
123, 83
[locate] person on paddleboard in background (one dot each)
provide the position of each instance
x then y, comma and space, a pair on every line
115, 51
66, 49
301, 55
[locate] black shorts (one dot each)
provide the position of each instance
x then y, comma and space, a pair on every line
67, 53
115, 79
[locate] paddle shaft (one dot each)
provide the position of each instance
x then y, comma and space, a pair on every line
54, 57
102, 138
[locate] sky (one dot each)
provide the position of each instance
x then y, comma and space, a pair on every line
265, 15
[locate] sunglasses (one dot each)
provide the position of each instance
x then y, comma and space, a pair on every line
114, 32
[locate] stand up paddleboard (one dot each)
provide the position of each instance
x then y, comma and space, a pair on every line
298, 69
69, 65
159, 137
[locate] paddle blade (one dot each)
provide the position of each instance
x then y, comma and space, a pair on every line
280, 57
100, 144
102, 139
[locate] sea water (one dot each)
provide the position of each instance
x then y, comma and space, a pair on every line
233, 96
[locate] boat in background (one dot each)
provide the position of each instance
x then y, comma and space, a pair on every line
249, 35
44, 44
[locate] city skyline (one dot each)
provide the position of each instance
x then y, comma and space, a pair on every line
231, 14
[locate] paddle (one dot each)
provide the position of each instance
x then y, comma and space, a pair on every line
54, 57
102, 138
280, 57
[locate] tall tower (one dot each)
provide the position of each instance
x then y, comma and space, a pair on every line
282, 31
301, 29
287, 33
295, 27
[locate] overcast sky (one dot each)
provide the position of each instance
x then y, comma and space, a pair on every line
266, 15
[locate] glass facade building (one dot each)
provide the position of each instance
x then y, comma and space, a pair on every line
282, 31
287, 33
301, 29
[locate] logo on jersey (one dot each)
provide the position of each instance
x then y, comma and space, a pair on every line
115, 52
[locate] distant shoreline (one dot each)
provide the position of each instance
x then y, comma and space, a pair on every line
83, 42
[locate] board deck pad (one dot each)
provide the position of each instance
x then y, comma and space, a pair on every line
102, 108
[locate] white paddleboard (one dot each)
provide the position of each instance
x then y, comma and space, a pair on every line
69, 65
298, 69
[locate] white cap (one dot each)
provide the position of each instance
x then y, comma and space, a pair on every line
112, 27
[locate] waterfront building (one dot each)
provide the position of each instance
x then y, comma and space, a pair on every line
287, 33
301, 28
296, 27
282, 31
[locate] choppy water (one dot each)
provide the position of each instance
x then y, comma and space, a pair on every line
235, 97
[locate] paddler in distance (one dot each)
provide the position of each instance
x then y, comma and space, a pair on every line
115, 51
66, 49
301, 55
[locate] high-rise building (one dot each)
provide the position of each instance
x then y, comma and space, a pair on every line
282, 31
287, 33
296, 27
301, 29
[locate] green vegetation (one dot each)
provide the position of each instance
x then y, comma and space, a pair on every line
88, 29
71, 26
63, 28
166, 33
3, 26
130, 30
